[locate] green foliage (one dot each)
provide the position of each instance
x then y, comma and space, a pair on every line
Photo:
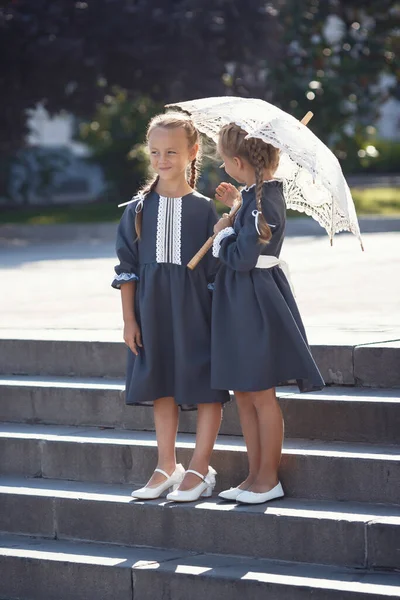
66, 55
335, 76
373, 201
384, 201
71, 55
366, 154
95, 212
115, 136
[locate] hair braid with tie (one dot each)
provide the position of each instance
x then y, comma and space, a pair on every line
194, 173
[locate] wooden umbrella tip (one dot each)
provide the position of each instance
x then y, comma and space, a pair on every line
307, 117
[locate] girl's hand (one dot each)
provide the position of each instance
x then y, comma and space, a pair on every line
133, 336
227, 194
223, 223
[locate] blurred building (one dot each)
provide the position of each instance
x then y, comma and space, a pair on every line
54, 169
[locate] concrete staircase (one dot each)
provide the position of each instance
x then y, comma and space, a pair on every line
71, 453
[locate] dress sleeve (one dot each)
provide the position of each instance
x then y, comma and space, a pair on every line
211, 262
240, 251
127, 250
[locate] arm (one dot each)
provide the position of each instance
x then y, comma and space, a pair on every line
238, 251
127, 250
241, 250
132, 333
127, 275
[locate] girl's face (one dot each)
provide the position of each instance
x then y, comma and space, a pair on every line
169, 152
234, 167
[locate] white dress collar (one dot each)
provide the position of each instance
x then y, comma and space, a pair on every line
247, 188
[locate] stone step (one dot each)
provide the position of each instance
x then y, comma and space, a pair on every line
338, 533
309, 469
371, 365
34, 569
335, 413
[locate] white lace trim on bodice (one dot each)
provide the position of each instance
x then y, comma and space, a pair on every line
169, 231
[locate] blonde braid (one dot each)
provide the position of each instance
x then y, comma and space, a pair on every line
257, 160
139, 215
193, 173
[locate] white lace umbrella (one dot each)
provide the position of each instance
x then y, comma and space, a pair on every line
312, 177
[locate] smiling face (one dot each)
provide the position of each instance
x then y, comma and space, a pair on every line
170, 153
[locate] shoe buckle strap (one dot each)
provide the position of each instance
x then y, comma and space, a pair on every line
162, 473
202, 477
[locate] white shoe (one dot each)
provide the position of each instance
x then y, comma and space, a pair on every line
230, 494
255, 498
171, 483
204, 489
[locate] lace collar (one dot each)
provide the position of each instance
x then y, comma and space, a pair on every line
248, 188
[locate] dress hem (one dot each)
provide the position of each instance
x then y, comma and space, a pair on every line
183, 407
295, 382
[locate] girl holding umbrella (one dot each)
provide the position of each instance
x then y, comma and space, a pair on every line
258, 338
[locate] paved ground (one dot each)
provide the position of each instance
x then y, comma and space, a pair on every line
62, 288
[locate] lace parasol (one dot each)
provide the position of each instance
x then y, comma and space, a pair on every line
312, 177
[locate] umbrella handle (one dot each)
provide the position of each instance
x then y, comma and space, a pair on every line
208, 244
307, 118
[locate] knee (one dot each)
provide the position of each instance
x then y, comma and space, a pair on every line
244, 400
264, 398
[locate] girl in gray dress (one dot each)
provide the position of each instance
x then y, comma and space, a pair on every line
167, 307
258, 338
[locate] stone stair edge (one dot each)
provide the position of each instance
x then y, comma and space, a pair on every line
64, 489
358, 472
371, 534
209, 575
73, 338
369, 365
109, 435
329, 393
353, 414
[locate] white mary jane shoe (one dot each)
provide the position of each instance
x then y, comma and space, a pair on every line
171, 483
230, 494
255, 498
204, 489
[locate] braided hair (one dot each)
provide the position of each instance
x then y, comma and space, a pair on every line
260, 155
194, 173
171, 120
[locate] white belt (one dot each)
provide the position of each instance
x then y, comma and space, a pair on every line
267, 262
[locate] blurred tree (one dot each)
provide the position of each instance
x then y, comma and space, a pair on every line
34, 172
68, 54
115, 137
334, 54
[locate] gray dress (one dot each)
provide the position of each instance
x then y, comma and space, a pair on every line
172, 303
258, 338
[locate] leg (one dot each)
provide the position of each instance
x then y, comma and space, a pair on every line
270, 423
166, 419
250, 429
208, 423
